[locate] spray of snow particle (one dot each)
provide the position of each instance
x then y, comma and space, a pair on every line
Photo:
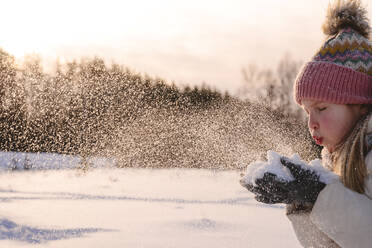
226, 137
90, 109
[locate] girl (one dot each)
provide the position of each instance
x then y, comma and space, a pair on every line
335, 90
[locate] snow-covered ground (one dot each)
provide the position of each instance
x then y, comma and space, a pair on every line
108, 207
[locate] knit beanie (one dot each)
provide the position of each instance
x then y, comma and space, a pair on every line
341, 71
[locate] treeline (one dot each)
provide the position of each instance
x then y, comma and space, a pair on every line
89, 108
79, 108
273, 86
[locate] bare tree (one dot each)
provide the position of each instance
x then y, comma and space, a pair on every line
273, 88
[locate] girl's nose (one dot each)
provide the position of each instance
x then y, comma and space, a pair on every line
313, 123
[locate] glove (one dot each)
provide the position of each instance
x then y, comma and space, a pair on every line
303, 190
306, 186
269, 189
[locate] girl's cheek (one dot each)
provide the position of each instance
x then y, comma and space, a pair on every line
326, 120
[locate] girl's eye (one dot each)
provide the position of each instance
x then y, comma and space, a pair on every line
322, 109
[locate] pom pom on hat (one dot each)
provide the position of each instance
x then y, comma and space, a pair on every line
341, 71
343, 14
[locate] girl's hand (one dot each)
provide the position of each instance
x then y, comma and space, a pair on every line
306, 186
304, 189
269, 189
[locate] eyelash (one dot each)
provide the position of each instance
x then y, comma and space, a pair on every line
319, 109
322, 109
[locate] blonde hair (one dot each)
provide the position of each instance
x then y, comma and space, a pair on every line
349, 157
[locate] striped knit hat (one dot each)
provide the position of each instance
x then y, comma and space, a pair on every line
341, 71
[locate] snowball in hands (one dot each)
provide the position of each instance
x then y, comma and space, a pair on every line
256, 170
286, 180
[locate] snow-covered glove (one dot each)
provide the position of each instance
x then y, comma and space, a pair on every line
304, 189
268, 189
306, 186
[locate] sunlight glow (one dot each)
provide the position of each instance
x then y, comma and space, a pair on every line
186, 41
37, 26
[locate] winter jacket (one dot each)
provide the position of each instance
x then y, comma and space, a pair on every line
340, 217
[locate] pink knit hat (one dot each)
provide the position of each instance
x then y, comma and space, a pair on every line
341, 71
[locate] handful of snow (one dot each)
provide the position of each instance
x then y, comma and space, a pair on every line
256, 170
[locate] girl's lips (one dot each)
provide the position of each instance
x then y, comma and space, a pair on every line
318, 140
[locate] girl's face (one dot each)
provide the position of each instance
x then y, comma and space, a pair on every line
329, 123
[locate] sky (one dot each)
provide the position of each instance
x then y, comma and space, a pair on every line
185, 41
